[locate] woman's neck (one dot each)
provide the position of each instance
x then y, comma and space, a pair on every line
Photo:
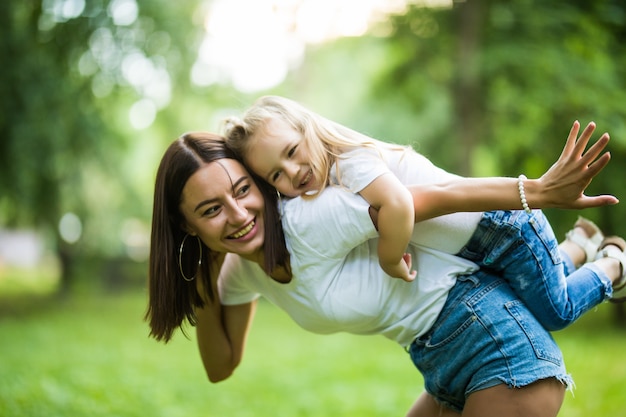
257, 257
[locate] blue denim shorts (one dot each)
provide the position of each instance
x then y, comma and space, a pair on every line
483, 337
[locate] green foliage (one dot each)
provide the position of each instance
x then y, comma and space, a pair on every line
534, 68
67, 87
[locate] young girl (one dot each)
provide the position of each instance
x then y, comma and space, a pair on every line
299, 153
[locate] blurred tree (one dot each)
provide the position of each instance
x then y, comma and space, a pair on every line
508, 79
71, 71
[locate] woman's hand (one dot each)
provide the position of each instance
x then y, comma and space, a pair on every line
564, 184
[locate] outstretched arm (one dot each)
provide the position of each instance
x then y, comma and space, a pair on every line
562, 186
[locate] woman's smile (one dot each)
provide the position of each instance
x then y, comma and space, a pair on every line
244, 231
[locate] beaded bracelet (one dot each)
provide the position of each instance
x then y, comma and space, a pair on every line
522, 194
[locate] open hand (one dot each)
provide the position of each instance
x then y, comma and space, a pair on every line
565, 182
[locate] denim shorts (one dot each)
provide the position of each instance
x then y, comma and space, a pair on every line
483, 337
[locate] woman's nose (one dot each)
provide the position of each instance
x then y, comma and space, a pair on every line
237, 213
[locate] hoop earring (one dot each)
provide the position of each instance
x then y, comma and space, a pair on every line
180, 257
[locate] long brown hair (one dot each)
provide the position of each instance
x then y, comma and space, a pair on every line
172, 299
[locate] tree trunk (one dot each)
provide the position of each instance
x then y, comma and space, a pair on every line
467, 90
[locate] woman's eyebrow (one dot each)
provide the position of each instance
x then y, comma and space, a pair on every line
239, 181
210, 200
205, 202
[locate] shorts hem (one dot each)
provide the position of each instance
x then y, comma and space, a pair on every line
565, 379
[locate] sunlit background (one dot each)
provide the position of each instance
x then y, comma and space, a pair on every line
255, 50
93, 91
252, 44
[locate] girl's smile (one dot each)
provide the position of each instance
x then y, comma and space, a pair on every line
279, 155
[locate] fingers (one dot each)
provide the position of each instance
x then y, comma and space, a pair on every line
409, 262
582, 141
596, 201
576, 167
412, 276
595, 149
598, 165
572, 137
575, 147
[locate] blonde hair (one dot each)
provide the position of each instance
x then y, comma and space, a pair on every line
326, 140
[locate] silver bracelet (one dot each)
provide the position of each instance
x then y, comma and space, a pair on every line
522, 194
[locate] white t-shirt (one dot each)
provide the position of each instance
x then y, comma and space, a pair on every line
359, 167
338, 285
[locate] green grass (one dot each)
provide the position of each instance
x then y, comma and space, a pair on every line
595, 354
91, 357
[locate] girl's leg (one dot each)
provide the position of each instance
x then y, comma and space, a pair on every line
540, 399
612, 257
581, 244
585, 244
523, 249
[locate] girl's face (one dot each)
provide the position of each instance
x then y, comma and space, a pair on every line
223, 206
279, 155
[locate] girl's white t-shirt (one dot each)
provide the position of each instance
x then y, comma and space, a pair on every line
357, 168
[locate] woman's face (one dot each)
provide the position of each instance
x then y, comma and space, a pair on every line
223, 206
279, 155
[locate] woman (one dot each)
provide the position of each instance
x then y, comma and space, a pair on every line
204, 191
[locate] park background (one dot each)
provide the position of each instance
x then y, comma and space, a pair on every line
93, 91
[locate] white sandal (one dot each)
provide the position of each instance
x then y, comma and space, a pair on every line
619, 286
590, 243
